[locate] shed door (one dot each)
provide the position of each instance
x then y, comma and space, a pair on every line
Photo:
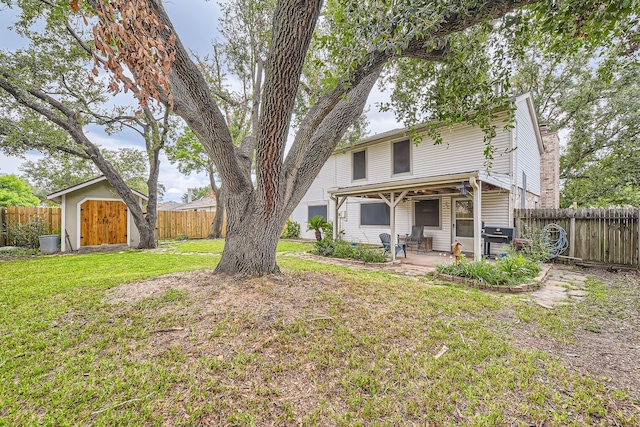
103, 222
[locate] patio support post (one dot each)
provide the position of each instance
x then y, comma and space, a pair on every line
337, 203
392, 220
477, 217
393, 202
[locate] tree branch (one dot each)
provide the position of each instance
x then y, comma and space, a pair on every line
292, 28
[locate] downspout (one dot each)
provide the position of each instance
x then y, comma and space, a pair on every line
477, 217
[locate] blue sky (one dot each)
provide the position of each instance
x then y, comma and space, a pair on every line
195, 22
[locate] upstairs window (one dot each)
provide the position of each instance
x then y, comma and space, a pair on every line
401, 157
359, 165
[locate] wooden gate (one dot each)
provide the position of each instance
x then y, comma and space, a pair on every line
103, 222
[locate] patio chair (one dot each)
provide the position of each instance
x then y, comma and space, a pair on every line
416, 238
385, 238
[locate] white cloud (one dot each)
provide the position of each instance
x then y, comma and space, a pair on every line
176, 183
10, 164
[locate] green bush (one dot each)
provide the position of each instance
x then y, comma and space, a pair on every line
509, 270
518, 265
291, 230
345, 250
539, 251
27, 235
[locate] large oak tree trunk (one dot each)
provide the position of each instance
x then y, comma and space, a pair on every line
252, 237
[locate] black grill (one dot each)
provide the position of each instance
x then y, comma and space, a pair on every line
497, 235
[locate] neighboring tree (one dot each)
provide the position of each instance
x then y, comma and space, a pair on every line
16, 192
189, 155
49, 95
595, 97
60, 170
452, 53
600, 166
197, 193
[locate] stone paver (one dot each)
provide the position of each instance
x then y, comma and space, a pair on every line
577, 293
560, 288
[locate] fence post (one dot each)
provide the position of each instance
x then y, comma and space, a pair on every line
572, 234
3, 223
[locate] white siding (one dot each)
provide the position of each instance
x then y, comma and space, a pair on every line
495, 212
462, 151
316, 195
527, 152
495, 209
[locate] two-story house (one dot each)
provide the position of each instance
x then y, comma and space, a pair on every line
386, 184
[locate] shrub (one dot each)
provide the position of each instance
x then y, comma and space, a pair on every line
318, 223
539, 250
509, 270
291, 230
518, 265
324, 247
345, 250
27, 235
369, 254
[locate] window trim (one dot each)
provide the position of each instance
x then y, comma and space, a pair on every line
410, 171
360, 224
366, 166
428, 227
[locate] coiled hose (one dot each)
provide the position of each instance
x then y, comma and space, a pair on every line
555, 238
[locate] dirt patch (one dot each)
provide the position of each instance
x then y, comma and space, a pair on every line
243, 347
606, 340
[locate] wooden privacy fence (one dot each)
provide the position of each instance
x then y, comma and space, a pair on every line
609, 236
170, 224
14, 215
195, 225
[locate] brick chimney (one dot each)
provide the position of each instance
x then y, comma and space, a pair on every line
550, 170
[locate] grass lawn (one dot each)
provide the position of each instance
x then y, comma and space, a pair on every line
217, 246
100, 339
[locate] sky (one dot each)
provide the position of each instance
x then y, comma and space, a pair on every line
195, 22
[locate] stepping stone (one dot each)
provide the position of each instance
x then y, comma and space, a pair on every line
573, 278
545, 304
555, 288
558, 283
577, 293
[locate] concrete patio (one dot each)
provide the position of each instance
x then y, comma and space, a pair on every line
426, 260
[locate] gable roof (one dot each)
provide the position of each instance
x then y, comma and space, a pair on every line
87, 184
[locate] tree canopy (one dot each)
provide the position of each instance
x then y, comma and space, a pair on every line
445, 60
16, 192
595, 99
59, 171
50, 96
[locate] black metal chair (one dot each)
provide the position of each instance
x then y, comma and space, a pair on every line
416, 238
385, 238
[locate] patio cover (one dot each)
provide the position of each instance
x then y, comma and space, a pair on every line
393, 192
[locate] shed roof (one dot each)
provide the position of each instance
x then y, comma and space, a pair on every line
82, 185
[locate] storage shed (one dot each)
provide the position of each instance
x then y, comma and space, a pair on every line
94, 214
